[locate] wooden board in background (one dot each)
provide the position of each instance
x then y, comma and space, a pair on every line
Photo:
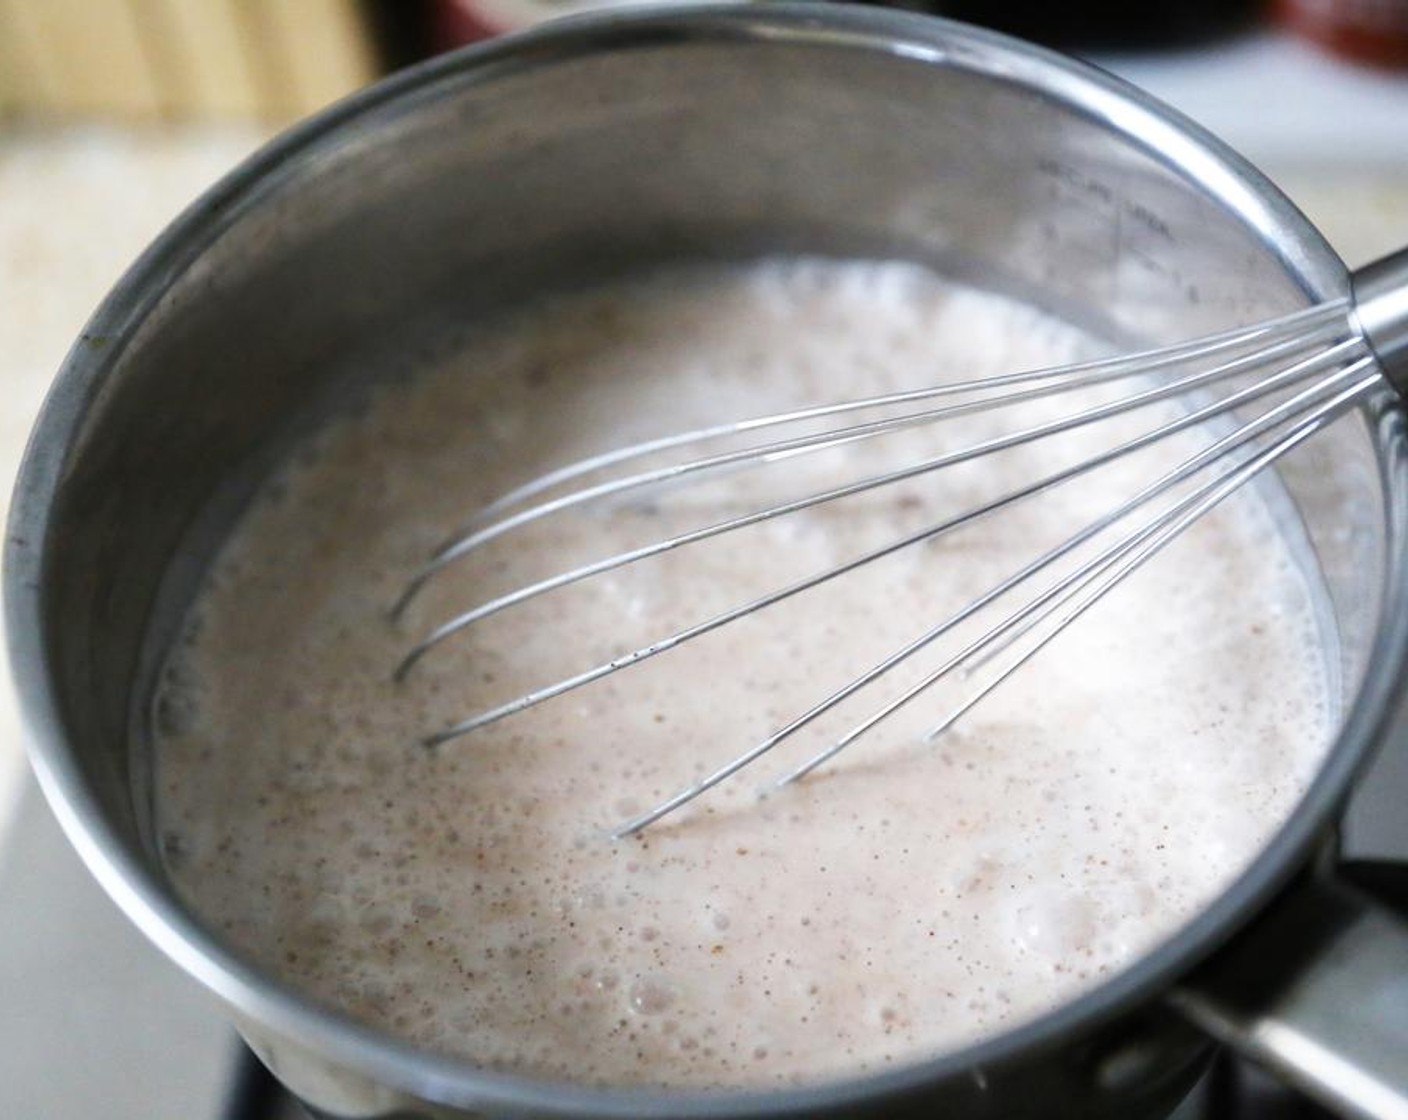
203, 54
143, 59
320, 50
84, 56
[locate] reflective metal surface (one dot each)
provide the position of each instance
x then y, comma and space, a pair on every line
1381, 291
1318, 995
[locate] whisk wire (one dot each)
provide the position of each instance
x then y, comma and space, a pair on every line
1069, 378
1275, 417
1003, 442
1347, 349
1311, 319
1208, 456
1114, 563
1085, 586
1297, 372
1136, 551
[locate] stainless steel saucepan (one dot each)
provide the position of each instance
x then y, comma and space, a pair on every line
601, 146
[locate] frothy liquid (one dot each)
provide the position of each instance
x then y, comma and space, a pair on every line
906, 899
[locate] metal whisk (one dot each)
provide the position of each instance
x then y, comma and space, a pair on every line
1303, 370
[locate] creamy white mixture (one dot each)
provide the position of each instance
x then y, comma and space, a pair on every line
907, 899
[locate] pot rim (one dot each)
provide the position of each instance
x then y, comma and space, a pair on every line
139, 890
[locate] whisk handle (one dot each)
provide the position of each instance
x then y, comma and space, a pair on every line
1381, 309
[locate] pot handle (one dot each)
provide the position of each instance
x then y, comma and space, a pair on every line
1316, 990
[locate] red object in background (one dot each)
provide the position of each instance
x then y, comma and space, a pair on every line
1373, 31
453, 24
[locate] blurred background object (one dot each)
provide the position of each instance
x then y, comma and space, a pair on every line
454, 23
276, 60
150, 59
1102, 24
1373, 31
